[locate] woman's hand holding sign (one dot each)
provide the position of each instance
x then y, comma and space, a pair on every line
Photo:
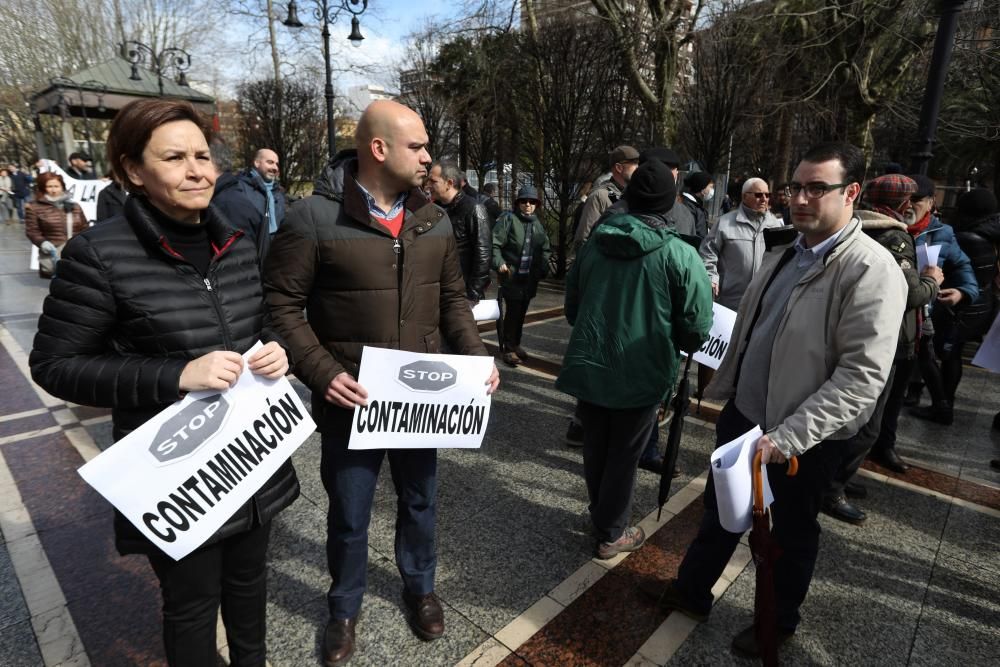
216, 370
270, 362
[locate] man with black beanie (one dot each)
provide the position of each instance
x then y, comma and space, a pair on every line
623, 355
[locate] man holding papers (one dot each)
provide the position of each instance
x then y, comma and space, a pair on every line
376, 265
811, 350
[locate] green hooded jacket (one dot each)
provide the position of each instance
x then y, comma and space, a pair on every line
636, 296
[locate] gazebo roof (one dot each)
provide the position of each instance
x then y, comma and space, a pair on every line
114, 74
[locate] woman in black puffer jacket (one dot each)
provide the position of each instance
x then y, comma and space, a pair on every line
147, 306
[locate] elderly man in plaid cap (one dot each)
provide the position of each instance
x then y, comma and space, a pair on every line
884, 204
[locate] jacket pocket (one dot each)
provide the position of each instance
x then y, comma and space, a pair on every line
432, 343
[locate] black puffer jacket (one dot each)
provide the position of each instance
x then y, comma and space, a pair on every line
980, 240
473, 236
126, 314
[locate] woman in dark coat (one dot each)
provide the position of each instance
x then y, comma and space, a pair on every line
147, 306
51, 220
521, 252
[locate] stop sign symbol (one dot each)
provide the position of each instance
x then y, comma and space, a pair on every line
182, 435
428, 376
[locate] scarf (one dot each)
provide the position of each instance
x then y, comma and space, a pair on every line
524, 267
272, 220
920, 226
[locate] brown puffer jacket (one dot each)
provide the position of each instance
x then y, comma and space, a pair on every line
359, 286
45, 221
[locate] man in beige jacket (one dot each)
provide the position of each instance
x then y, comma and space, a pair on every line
814, 340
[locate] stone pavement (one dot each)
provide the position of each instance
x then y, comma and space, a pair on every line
917, 584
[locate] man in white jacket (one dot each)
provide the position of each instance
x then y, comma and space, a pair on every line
814, 340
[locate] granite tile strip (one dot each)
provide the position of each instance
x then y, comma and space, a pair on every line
945, 486
23, 415
23, 422
53, 626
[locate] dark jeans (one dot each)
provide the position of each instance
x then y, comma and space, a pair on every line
794, 527
613, 441
899, 382
19, 205
349, 477
511, 321
856, 449
232, 572
943, 373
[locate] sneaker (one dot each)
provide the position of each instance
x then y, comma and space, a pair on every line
574, 434
663, 414
631, 540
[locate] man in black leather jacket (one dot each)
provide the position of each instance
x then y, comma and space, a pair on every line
471, 222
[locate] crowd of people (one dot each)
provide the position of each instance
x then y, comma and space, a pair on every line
190, 263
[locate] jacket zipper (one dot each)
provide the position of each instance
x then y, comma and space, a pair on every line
397, 248
213, 295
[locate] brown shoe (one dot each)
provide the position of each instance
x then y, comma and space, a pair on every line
511, 359
338, 642
426, 615
519, 351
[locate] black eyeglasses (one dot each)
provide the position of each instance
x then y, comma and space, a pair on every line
760, 195
813, 190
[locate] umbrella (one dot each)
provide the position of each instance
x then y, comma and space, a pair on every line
765, 554
681, 401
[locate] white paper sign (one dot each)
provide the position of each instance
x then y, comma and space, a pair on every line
418, 401
732, 471
927, 255
714, 349
988, 354
180, 476
486, 310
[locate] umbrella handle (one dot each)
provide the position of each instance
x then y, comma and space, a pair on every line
758, 478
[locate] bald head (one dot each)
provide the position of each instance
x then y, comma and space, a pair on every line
266, 164
392, 145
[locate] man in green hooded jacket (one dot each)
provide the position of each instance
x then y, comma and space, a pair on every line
636, 296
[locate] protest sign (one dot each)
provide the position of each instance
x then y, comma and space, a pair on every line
732, 471
714, 349
927, 255
418, 401
988, 354
182, 474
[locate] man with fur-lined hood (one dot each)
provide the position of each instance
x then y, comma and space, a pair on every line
884, 203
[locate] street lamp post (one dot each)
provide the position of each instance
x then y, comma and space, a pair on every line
938, 72
170, 58
61, 82
321, 12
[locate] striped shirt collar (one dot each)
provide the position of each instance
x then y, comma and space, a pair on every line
376, 211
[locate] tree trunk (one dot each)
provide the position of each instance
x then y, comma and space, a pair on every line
783, 150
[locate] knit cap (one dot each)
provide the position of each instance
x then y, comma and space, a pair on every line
651, 189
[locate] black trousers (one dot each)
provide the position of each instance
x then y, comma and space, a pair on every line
795, 528
511, 320
232, 572
613, 441
856, 449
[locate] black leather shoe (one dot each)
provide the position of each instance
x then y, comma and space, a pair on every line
912, 397
745, 643
839, 508
338, 642
652, 465
669, 598
889, 459
939, 414
855, 490
426, 615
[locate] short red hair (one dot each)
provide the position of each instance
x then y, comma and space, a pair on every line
43, 180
